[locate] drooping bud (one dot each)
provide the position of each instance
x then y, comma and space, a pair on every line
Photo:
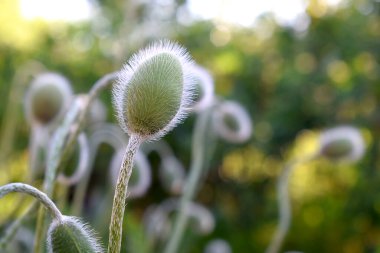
343, 143
72, 235
232, 122
204, 86
154, 90
48, 98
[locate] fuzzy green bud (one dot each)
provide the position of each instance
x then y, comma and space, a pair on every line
153, 90
71, 235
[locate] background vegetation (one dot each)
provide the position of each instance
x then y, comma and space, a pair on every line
294, 81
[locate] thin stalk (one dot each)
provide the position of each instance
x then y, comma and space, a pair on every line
63, 142
118, 208
40, 196
192, 182
105, 133
285, 212
12, 229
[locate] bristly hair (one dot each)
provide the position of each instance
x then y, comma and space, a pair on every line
89, 234
129, 69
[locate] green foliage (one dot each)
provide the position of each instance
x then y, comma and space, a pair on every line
289, 81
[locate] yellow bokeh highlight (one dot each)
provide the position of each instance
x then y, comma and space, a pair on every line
248, 165
305, 144
313, 216
227, 63
15, 31
15, 170
317, 8
305, 63
365, 64
339, 72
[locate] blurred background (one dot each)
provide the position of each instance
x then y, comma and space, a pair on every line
297, 67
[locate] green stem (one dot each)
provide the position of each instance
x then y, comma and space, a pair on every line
63, 141
118, 208
285, 212
105, 133
191, 183
42, 197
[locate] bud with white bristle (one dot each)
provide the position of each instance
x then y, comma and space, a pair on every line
344, 143
154, 90
48, 98
72, 235
152, 95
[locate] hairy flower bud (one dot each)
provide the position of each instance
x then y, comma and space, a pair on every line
232, 122
48, 98
154, 90
71, 235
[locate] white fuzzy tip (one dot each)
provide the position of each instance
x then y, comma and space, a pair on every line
154, 90
72, 235
48, 98
344, 143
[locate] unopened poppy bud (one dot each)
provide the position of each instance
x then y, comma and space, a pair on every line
48, 98
342, 143
72, 235
153, 90
232, 122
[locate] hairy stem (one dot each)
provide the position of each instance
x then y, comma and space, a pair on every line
284, 205
197, 165
118, 208
42, 197
62, 145
105, 133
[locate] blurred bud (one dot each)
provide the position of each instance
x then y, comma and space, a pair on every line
204, 88
344, 143
141, 174
157, 219
83, 163
48, 98
232, 122
72, 235
172, 174
153, 90
218, 246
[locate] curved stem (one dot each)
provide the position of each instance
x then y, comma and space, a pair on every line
42, 197
198, 158
104, 133
285, 212
63, 141
118, 208
82, 166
